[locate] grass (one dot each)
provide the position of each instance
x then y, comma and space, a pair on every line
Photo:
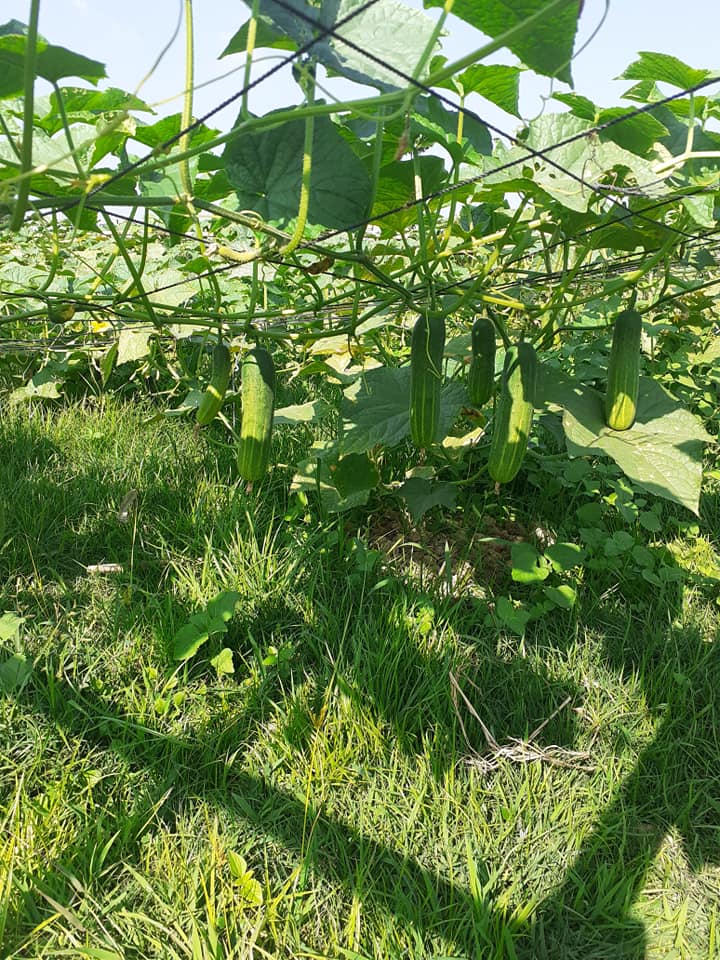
358, 784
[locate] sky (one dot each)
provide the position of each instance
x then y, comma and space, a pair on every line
128, 36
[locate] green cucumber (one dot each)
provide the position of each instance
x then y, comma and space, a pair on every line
258, 405
481, 375
213, 397
623, 376
514, 413
426, 359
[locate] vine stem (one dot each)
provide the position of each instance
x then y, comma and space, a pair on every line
184, 141
304, 204
18, 214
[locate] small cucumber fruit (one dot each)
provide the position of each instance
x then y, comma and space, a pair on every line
258, 405
481, 375
514, 413
623, 376
214, 395
426, 358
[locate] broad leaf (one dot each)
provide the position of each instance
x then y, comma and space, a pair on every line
422, 494
527, 564
376, 409
265, 168
661, 452
546, 45
395, 34
665, 69
53, 63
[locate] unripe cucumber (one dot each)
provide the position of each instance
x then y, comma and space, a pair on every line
623, 376
481, 375
514, 413
258, 404
426, 358
214, 395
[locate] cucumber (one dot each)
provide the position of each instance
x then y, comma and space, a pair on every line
481, 375
514, 413
623, 376
214, 395
258, 404
426, 358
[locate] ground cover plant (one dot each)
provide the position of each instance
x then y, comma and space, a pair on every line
359, 587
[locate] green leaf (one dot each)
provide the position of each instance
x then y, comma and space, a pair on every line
265, 168
546, 46
53, 63
315, 476
665, 69
224, 605
563, 596
14, 673
309, 412
661, 452
496, 82
266, 37
10, 626
223, 662
395, 34
564, 556
376, 409
133, 344
587, 166
188, 640
354, 473
421, 495
513, 617
527, 564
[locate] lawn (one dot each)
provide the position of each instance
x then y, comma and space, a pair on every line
381, 770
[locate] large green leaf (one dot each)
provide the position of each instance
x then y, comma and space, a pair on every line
395, 34
546, 46
665, 69
376, 409
661, 452
588, 163
265, 168
53, 63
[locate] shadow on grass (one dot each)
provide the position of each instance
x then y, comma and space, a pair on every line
589, 915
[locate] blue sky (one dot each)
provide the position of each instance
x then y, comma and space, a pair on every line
128, 36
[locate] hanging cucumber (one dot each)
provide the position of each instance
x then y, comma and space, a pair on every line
214, 395
258, 404
514, 413
623, 376
426, 358
481, 375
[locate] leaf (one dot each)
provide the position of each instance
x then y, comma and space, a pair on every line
422, 495
133, 344
223, 606
223, 662
10, 626
564, 556
354, 473
376, 409
527, 564
14, 673
661, 452
266, 36
188, 640
44, 384
396, 35
665, 69
498, 83
52, 63
315, 476
515, 618
585, 164
265, 168
309, 412
563, 596
546, 46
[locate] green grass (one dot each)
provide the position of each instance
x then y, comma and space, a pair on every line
338, 759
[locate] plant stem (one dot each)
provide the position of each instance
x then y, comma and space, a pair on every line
19, 208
